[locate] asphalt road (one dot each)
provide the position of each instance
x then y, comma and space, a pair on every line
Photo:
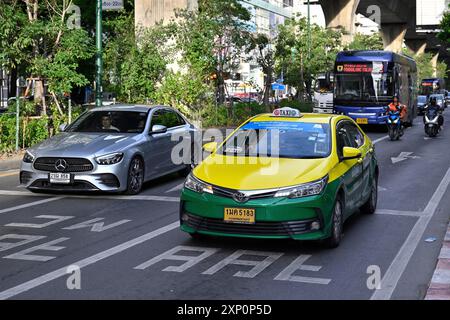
123, 245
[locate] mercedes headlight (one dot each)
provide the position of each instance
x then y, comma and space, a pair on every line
303, 190
196, 185
28, 157
109, 159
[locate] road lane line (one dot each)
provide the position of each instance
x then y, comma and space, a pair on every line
401, 213
142, 198
24, 287
22, 193
380, 139
9, 173
31, 204
100, 197
401, 260
176, 188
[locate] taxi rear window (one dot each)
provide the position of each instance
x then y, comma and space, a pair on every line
283, 139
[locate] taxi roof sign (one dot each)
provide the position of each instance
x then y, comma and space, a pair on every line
287, 112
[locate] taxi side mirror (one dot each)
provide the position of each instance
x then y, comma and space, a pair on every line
210, 147
350, 153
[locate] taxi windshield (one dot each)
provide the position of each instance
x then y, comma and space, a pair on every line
280, 139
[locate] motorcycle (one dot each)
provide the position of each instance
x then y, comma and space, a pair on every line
433, 121
394, 124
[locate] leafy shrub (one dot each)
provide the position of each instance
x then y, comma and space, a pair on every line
305, 107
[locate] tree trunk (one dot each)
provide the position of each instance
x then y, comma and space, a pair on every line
221, 87
302, 81
267, 89
39, 96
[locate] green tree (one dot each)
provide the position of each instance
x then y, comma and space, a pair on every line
43, 46
299, 60
425, 68
366, 42
264, 54
135, 60
189, 93
213, 39
444, 35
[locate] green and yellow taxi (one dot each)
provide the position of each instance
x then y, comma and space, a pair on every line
283, 175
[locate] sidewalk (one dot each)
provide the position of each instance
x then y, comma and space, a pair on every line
440, 283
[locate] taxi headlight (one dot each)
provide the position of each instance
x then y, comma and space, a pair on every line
303, 190
196, 185
28, 157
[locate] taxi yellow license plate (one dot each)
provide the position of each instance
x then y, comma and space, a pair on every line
239, 215
362, 121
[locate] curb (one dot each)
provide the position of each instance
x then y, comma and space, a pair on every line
439, 288
6, 165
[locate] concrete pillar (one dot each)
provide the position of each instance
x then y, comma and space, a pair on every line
393, 35
417, 46
149, 12
340, 15
434, 62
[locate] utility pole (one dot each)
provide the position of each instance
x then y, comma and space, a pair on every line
18, 83
309, 31
99, 60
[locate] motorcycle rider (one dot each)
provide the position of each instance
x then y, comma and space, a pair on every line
395, 105
433, 105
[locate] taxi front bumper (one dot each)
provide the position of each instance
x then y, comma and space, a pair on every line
276, 218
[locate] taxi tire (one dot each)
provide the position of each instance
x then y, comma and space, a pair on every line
371, 205
336, 233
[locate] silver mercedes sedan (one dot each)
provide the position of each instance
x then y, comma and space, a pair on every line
115, 148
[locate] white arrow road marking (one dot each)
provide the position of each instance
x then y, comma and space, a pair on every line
382, 189
58, 273
403, 156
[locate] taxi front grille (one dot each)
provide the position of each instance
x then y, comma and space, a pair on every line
72, 164
228, 193
287, 228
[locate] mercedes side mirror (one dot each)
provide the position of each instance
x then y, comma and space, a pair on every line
62, 127
157, 129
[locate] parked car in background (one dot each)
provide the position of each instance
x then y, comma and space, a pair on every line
447, 98
115, 148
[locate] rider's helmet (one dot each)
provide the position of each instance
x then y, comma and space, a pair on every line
395, 99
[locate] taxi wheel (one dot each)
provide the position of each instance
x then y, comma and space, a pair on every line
337, 225
371, 205
135, 176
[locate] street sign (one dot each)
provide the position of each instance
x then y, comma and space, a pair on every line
278, 86
109, 5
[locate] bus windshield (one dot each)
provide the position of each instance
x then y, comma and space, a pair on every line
364, 87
